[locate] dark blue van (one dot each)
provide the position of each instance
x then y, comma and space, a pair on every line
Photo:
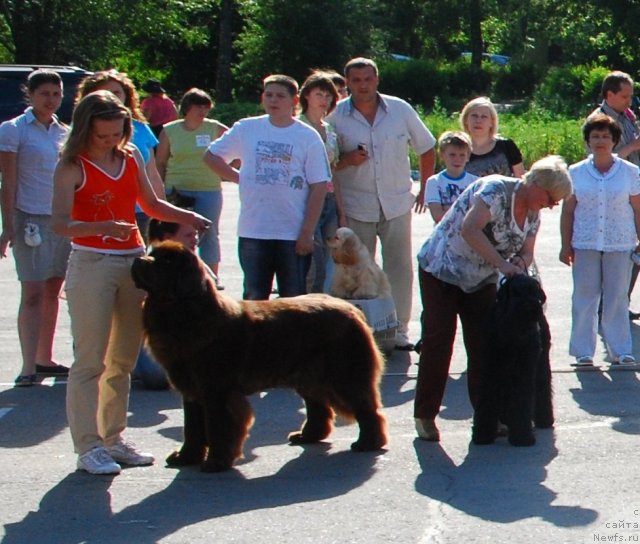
14, 76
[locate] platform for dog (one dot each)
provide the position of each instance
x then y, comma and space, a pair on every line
382, 318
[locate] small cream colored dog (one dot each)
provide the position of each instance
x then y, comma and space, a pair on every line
356, 275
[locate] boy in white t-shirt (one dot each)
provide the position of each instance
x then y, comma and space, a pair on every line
445, 187
282, 188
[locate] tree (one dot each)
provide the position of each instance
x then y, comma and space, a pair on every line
225, 51
292, 38
56, 31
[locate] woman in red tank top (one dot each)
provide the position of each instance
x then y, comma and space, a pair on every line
96, 185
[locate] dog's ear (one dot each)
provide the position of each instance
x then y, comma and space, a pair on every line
346, 252
542, 296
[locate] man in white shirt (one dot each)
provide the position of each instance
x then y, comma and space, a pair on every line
374, 133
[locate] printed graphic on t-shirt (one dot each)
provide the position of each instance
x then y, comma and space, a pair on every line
102, 203
273, 163
450, 193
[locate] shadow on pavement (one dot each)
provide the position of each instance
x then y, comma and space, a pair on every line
80, 510
498, 483
35, 414
607, 393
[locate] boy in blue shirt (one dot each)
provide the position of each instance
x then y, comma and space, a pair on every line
446, 186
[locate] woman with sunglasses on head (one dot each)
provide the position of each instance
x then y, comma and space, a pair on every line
29, 149
96, 184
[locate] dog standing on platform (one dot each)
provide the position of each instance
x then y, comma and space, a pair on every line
217, 350
516, 380
356, 276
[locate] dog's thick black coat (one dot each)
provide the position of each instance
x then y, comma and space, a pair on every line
516, 377
217, 350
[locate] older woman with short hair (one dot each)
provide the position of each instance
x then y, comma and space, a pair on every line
490, 229
600, 226
180, 153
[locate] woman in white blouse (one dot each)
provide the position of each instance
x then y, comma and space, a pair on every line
600, 225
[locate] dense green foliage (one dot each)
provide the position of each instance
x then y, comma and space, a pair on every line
558, 51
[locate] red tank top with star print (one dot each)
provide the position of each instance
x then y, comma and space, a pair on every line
103, 197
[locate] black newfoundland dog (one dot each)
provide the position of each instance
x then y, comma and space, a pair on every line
217, 351
516, 379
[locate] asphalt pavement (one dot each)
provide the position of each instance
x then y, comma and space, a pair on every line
579, 483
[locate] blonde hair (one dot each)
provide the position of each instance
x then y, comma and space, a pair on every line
551, 174
480, 102
102, 105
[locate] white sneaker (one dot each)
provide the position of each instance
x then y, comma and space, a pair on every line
127, 454
98, 461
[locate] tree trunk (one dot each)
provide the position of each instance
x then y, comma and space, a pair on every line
475, 34
225, 52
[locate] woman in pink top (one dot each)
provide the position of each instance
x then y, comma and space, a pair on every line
158, 108
96, 185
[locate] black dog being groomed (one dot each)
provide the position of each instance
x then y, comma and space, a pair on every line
516, 380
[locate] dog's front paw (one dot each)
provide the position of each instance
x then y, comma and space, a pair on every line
371, 444
184, 458
301, 438
483, 438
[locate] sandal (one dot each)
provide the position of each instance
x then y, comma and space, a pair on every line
26, 380
583, 362
52, 370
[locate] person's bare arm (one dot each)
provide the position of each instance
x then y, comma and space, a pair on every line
437, 211
154, 177
153, 206
566, 229
315, 201
220, 167
427, 165
8, 165
478, 217
163, 152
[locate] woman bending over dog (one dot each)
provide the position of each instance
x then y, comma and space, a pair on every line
494, 220
96, 185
